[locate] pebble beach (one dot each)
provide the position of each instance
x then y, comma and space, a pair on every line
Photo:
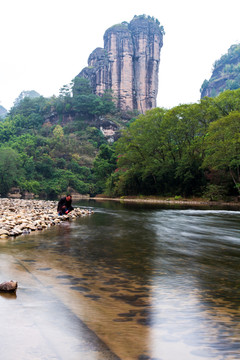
20, 216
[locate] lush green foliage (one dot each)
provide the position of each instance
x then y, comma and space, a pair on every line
104, 165
225, 133
174, 152
232, 54
9, 168
225, 75
48, 145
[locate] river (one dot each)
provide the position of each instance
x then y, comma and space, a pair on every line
130, 282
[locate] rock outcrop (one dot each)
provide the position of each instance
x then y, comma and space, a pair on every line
128, 64
225, 75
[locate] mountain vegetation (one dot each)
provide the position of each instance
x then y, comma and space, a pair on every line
50, 145
225, 75
189, 150
26, 93
3, 112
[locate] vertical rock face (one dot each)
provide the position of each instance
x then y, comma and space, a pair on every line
147, 39
119, 47
128, 65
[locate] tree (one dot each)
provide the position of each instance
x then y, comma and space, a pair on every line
61, 181
58, 133
45, 166
104, 165
228, 101
108, 105
87, 103
142, 152
223, 146
81, 86
28, 106
8, 169
66, 91
162, 152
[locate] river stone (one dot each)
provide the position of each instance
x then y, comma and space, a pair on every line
4, 236
9, 286
19, 216
3, 232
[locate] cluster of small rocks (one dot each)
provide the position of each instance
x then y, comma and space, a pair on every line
18, 216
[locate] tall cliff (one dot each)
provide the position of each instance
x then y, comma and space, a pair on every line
128, 64
225, 75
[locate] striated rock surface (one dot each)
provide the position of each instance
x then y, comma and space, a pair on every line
128, 64
18, 216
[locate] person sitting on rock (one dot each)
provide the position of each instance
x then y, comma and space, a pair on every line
65, 205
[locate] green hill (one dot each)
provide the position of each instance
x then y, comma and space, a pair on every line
48, 145
225, 75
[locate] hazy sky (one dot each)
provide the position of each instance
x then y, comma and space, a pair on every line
46, 43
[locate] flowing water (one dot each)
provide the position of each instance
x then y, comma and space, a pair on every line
127, 282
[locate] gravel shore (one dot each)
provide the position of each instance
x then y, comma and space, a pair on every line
18, 216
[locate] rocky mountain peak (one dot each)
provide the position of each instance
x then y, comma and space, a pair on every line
128, 64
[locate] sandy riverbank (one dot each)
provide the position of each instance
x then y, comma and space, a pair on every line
18, 216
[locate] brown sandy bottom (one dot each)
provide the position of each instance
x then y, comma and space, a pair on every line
66, 309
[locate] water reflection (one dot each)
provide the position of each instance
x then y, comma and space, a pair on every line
150, 282
8, 295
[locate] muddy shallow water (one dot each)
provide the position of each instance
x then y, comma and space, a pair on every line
128, 282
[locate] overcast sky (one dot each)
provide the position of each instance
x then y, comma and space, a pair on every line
46, 43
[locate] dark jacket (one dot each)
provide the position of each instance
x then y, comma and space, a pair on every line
64, 203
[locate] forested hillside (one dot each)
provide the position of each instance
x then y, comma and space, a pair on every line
48, 145
189, 150
225, 75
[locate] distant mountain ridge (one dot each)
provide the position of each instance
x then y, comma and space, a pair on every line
225, 75
26, 93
